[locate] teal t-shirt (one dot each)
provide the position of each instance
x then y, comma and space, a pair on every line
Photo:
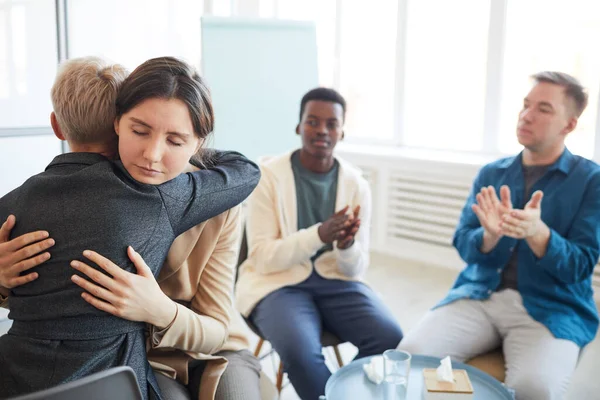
315, 196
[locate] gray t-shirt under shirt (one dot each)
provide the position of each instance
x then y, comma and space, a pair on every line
315, 196
531, 174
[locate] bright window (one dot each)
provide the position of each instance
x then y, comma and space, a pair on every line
222, 8
445, 80
28, 57
323, 13
166, 28
565, 39
367, 67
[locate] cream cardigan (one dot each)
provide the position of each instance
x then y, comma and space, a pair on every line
198, 274
279, 254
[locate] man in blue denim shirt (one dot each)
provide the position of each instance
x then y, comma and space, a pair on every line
527, 285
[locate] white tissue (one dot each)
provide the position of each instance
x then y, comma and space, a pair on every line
374, 369
444, 371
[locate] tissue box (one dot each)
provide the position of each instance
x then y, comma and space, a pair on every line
460, 389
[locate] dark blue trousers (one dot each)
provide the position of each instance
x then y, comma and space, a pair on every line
293, 318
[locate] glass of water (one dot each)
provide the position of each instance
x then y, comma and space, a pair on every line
396, 369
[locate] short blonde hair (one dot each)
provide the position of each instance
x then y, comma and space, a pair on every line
83, 98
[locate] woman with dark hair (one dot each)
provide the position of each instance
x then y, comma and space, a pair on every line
201, 344
87, 201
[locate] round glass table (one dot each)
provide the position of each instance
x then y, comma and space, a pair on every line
350, 382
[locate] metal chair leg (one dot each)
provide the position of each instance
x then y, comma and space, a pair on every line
338, 356
259, 346
279, 383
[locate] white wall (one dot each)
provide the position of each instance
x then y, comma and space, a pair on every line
24, 156
130, 32
28, 59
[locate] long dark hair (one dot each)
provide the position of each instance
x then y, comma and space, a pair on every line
169, 78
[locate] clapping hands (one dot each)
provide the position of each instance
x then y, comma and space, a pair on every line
498, 217
341, 227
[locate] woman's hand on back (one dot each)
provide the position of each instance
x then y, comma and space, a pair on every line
21, 254
135, 297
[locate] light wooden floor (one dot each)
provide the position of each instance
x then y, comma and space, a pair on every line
410, 289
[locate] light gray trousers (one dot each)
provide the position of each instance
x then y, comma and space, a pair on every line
240, 381
538, 365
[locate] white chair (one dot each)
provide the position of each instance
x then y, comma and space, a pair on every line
268, 391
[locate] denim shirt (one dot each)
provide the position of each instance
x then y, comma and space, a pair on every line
557, 288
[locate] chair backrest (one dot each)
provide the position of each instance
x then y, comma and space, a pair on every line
117, 383
243, 254
268, 390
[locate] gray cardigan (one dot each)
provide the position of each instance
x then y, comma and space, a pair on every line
86, 201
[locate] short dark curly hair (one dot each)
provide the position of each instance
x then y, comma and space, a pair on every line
323, 94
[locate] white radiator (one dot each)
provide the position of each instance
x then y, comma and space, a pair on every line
423, 206
416, 206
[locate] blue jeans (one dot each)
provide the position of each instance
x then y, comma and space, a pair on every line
292, 319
